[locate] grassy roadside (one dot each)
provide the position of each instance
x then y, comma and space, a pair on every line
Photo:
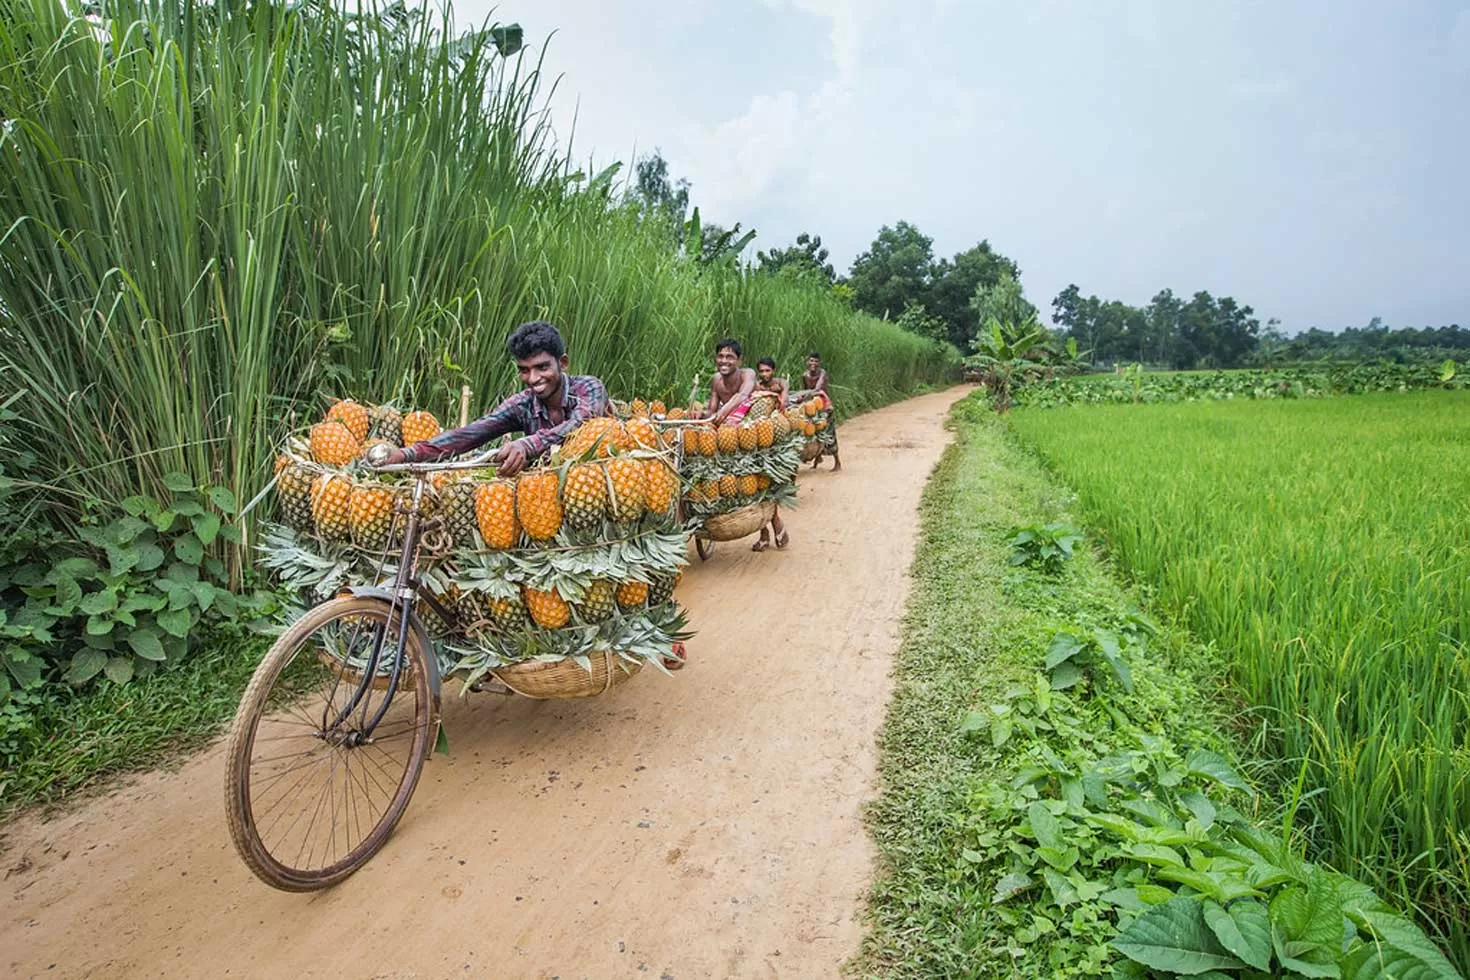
1030, 814
67, 743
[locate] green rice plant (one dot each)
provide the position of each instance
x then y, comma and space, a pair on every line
1322, 544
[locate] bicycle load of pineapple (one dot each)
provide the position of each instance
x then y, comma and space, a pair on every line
558, 583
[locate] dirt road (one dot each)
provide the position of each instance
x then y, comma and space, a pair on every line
704, 825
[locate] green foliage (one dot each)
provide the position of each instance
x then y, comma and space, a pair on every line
1004, 302
1206, 331
1044, 546
1088, 831
1375, 341
1319, 543
1133, 384
806, 260
193, 264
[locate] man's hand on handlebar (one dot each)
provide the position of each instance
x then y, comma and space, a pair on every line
510, 459
393, 457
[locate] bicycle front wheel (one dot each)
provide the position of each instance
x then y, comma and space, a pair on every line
322, 761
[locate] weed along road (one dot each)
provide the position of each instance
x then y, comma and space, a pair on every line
703, 825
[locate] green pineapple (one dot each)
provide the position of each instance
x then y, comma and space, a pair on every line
294, 487
509, 615
600, 601
458, 500
661, 590
384, 422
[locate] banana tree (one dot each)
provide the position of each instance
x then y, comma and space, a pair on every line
1002, 352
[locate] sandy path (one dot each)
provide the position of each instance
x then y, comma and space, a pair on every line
705, 825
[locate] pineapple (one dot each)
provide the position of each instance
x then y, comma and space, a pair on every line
809, 428
509, 615
632, 594
748, 484
727, 440
294, 486
781, 426
472, 610
708, 442
765, 433
677, 414
593, 432
352, 414
661, 485
821, 425
333, 443
810, 408
762, 482
458, 499
729, 487
642, 433
418, 426
711, 491
495, 513
760, 408
585, 496
638, 408
656, 408
537, 504
747, 437
691, 442
600, 602
331, 506
435, 623
662, 589
628, 485
795, 417
384, 422
548, 609
367, 447
370, 512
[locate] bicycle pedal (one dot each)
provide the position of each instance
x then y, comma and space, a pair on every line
491, 686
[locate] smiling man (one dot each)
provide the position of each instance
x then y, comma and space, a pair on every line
732, 386
551, 406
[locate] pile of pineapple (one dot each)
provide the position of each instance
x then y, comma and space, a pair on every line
733, 467
573, 557
819, 429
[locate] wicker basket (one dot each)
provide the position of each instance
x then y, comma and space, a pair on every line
565, 679
811, 450
739, 523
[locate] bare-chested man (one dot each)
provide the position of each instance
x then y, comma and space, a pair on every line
815, 379
767, 383
730, 395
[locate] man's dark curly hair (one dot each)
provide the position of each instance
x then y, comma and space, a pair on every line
769, 362
536, 337
731, 343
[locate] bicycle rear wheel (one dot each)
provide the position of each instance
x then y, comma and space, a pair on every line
312, 787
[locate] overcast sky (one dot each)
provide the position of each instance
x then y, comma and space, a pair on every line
1309, 158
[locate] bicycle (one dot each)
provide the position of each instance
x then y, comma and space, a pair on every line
369, 659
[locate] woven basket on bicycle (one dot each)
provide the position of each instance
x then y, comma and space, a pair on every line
736, 524
566, 679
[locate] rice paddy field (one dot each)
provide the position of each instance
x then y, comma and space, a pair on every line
1322, 546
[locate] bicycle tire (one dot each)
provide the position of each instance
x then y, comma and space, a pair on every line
254, 707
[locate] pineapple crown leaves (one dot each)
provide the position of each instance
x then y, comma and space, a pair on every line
646, 635
315, 567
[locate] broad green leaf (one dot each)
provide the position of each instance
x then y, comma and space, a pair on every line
98, 603
126, 530
68, 594
137, 506
1061, 858
145, 643
1212, 765
1154, 894
1124, 898
206, 527
1199, 804
1155, 854
972, 857
150, 556
1197, 880
1387, 962
1119, 826
1064, 646
1009, 886
1393, 930
76, 567
1173, 937
189, 549
164, 519
176, 621
122, 560
222, 499
178, 482
1073, 793
1044, 826
1000, 731
1310, 915
189, 508
1065, 676
974, 721
99, 626
1244, 928
1120, 668
1293, 956
85, 665
1063, 893
119, 670
23, 666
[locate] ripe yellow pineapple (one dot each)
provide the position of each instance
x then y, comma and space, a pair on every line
810, 408
708, 442
729, 486
367, 447
331, 506
628, 486
781, 425
537, 504
642, 433
333, 443
593, 432
710, 490
418, 426
677, 414
762, 482
584, 498
765, 433
632, 594
691, 442
748, 485
352, 414
656, 408
370, 513
662, 485
548, 609
639, 407
809, 428
495, 513
727, 440
747, 438
821, 425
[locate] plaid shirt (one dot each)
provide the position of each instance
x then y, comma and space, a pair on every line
584, 397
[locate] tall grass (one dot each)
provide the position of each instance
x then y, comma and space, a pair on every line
1323, 544
207, 225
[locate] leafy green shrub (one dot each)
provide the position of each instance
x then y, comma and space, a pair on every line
1046, 546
